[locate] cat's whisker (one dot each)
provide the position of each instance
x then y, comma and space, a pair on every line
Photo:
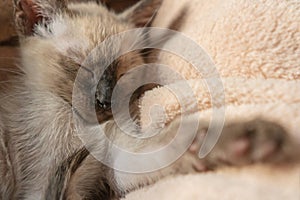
8, 96
11, 71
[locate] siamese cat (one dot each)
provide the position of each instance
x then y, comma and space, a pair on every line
41, 154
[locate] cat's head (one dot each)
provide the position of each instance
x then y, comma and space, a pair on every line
56, 38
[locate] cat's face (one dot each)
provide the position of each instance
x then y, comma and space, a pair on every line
57, 38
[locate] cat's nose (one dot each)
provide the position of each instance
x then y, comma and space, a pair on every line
106, 104
104, 99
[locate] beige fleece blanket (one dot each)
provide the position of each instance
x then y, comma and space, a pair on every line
255, 46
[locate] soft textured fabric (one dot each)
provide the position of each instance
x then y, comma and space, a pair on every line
255, 182
255, 45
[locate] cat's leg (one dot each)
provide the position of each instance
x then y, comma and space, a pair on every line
239, 144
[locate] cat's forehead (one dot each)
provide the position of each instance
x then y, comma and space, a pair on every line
78, 27
82, 34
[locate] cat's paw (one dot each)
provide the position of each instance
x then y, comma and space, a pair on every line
245, 143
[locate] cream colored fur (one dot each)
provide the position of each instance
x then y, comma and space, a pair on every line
38, 132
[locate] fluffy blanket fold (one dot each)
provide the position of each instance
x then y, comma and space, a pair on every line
255, 46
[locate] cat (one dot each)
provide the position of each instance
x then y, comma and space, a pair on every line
41, 155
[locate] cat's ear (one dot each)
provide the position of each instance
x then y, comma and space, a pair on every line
142, 13
29, 13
